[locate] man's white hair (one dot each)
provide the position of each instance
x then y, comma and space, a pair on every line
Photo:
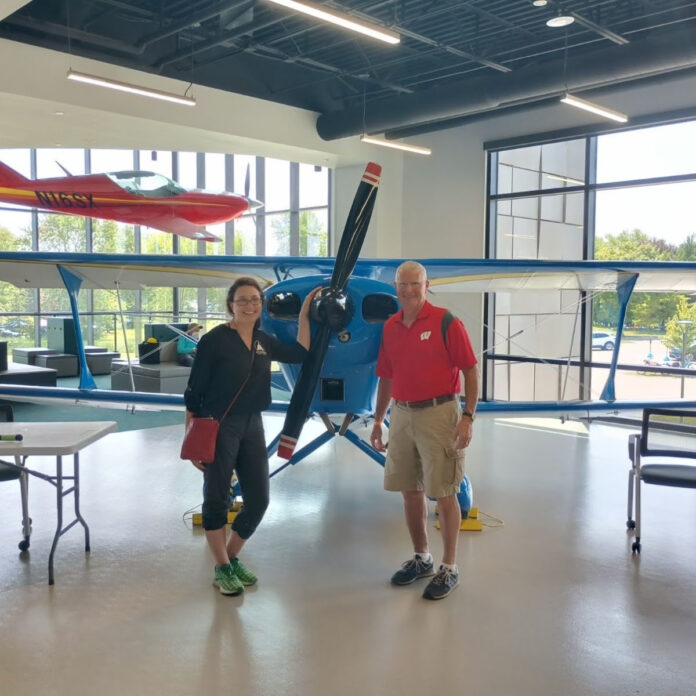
411, 266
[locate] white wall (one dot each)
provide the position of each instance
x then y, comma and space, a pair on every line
33, 87
384, 237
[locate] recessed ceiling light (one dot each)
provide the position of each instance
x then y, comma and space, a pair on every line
560, 21
540, 3
60, 113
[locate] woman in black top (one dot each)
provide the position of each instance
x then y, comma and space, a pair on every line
225, 357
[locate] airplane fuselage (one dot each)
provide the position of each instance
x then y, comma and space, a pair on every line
347, 383
97, 196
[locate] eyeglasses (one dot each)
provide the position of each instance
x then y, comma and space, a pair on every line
255, 301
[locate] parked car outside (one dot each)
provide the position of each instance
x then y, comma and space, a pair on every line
603, 340
676, 355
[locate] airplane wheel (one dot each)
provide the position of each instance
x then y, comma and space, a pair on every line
23, 545
630, 524
635, 547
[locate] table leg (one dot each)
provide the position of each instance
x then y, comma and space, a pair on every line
26, 520
59, 512
76, 494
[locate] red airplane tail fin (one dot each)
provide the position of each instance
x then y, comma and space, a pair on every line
9, 177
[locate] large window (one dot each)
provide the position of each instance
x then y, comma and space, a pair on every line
293, 220
533, 218
620, 196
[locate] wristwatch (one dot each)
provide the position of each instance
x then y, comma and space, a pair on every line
468, 414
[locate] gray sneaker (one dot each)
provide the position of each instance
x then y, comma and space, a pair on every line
412, 570
442, 584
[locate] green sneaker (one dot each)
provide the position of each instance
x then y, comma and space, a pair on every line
226, 581
242, 572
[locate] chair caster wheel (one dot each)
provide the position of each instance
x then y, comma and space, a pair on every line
630, 524
23, 545
635, 547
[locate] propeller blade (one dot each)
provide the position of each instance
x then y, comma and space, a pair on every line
356, 226
247, 181
348, 251
304, 391
63, 168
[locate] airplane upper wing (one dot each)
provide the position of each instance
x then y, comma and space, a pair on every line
130, 271
511, 275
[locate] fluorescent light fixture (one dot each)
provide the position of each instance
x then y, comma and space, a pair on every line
396, 145
131, 89
565, 178
342, 20
594, 108
560, 21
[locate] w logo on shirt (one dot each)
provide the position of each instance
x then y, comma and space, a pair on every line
425, 335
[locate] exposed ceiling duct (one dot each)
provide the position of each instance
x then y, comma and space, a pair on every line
604, 67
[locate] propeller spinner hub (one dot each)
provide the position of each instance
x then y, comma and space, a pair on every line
333, 308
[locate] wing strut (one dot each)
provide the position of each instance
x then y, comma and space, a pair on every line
125, 335
72, 285
623, 291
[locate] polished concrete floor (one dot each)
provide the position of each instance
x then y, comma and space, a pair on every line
551, 603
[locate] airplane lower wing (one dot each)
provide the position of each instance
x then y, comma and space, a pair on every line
176, 401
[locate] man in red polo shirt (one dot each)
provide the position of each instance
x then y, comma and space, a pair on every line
422, 352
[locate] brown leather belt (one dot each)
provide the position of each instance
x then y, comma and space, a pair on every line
429, 402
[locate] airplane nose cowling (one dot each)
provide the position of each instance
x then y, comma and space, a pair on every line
333, 308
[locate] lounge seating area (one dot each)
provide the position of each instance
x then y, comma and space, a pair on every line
30, 375
65, 364
161, 373
166, 378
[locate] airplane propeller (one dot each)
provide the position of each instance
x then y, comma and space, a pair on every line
331, 308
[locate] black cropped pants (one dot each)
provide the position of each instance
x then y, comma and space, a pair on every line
241, 447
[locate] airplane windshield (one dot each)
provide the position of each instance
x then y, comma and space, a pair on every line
146, 184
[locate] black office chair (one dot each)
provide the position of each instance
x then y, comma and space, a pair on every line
11, 473
657, 473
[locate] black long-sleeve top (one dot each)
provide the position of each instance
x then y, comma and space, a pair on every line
222, 364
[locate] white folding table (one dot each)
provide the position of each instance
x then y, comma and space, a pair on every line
52, 440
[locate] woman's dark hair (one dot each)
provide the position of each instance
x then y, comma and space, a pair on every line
240, 283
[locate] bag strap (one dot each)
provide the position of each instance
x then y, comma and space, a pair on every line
239, 391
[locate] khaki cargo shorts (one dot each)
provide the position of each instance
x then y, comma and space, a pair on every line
420, 454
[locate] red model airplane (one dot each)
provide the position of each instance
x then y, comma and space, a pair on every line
134, 197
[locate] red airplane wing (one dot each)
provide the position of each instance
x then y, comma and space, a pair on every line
181, 227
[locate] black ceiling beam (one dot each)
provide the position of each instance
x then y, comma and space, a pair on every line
611, 65
602, 31
415, 36
194, 19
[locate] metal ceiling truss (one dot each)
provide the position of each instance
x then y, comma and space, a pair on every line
502, 47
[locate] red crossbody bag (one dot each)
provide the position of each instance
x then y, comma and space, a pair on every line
201, 433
